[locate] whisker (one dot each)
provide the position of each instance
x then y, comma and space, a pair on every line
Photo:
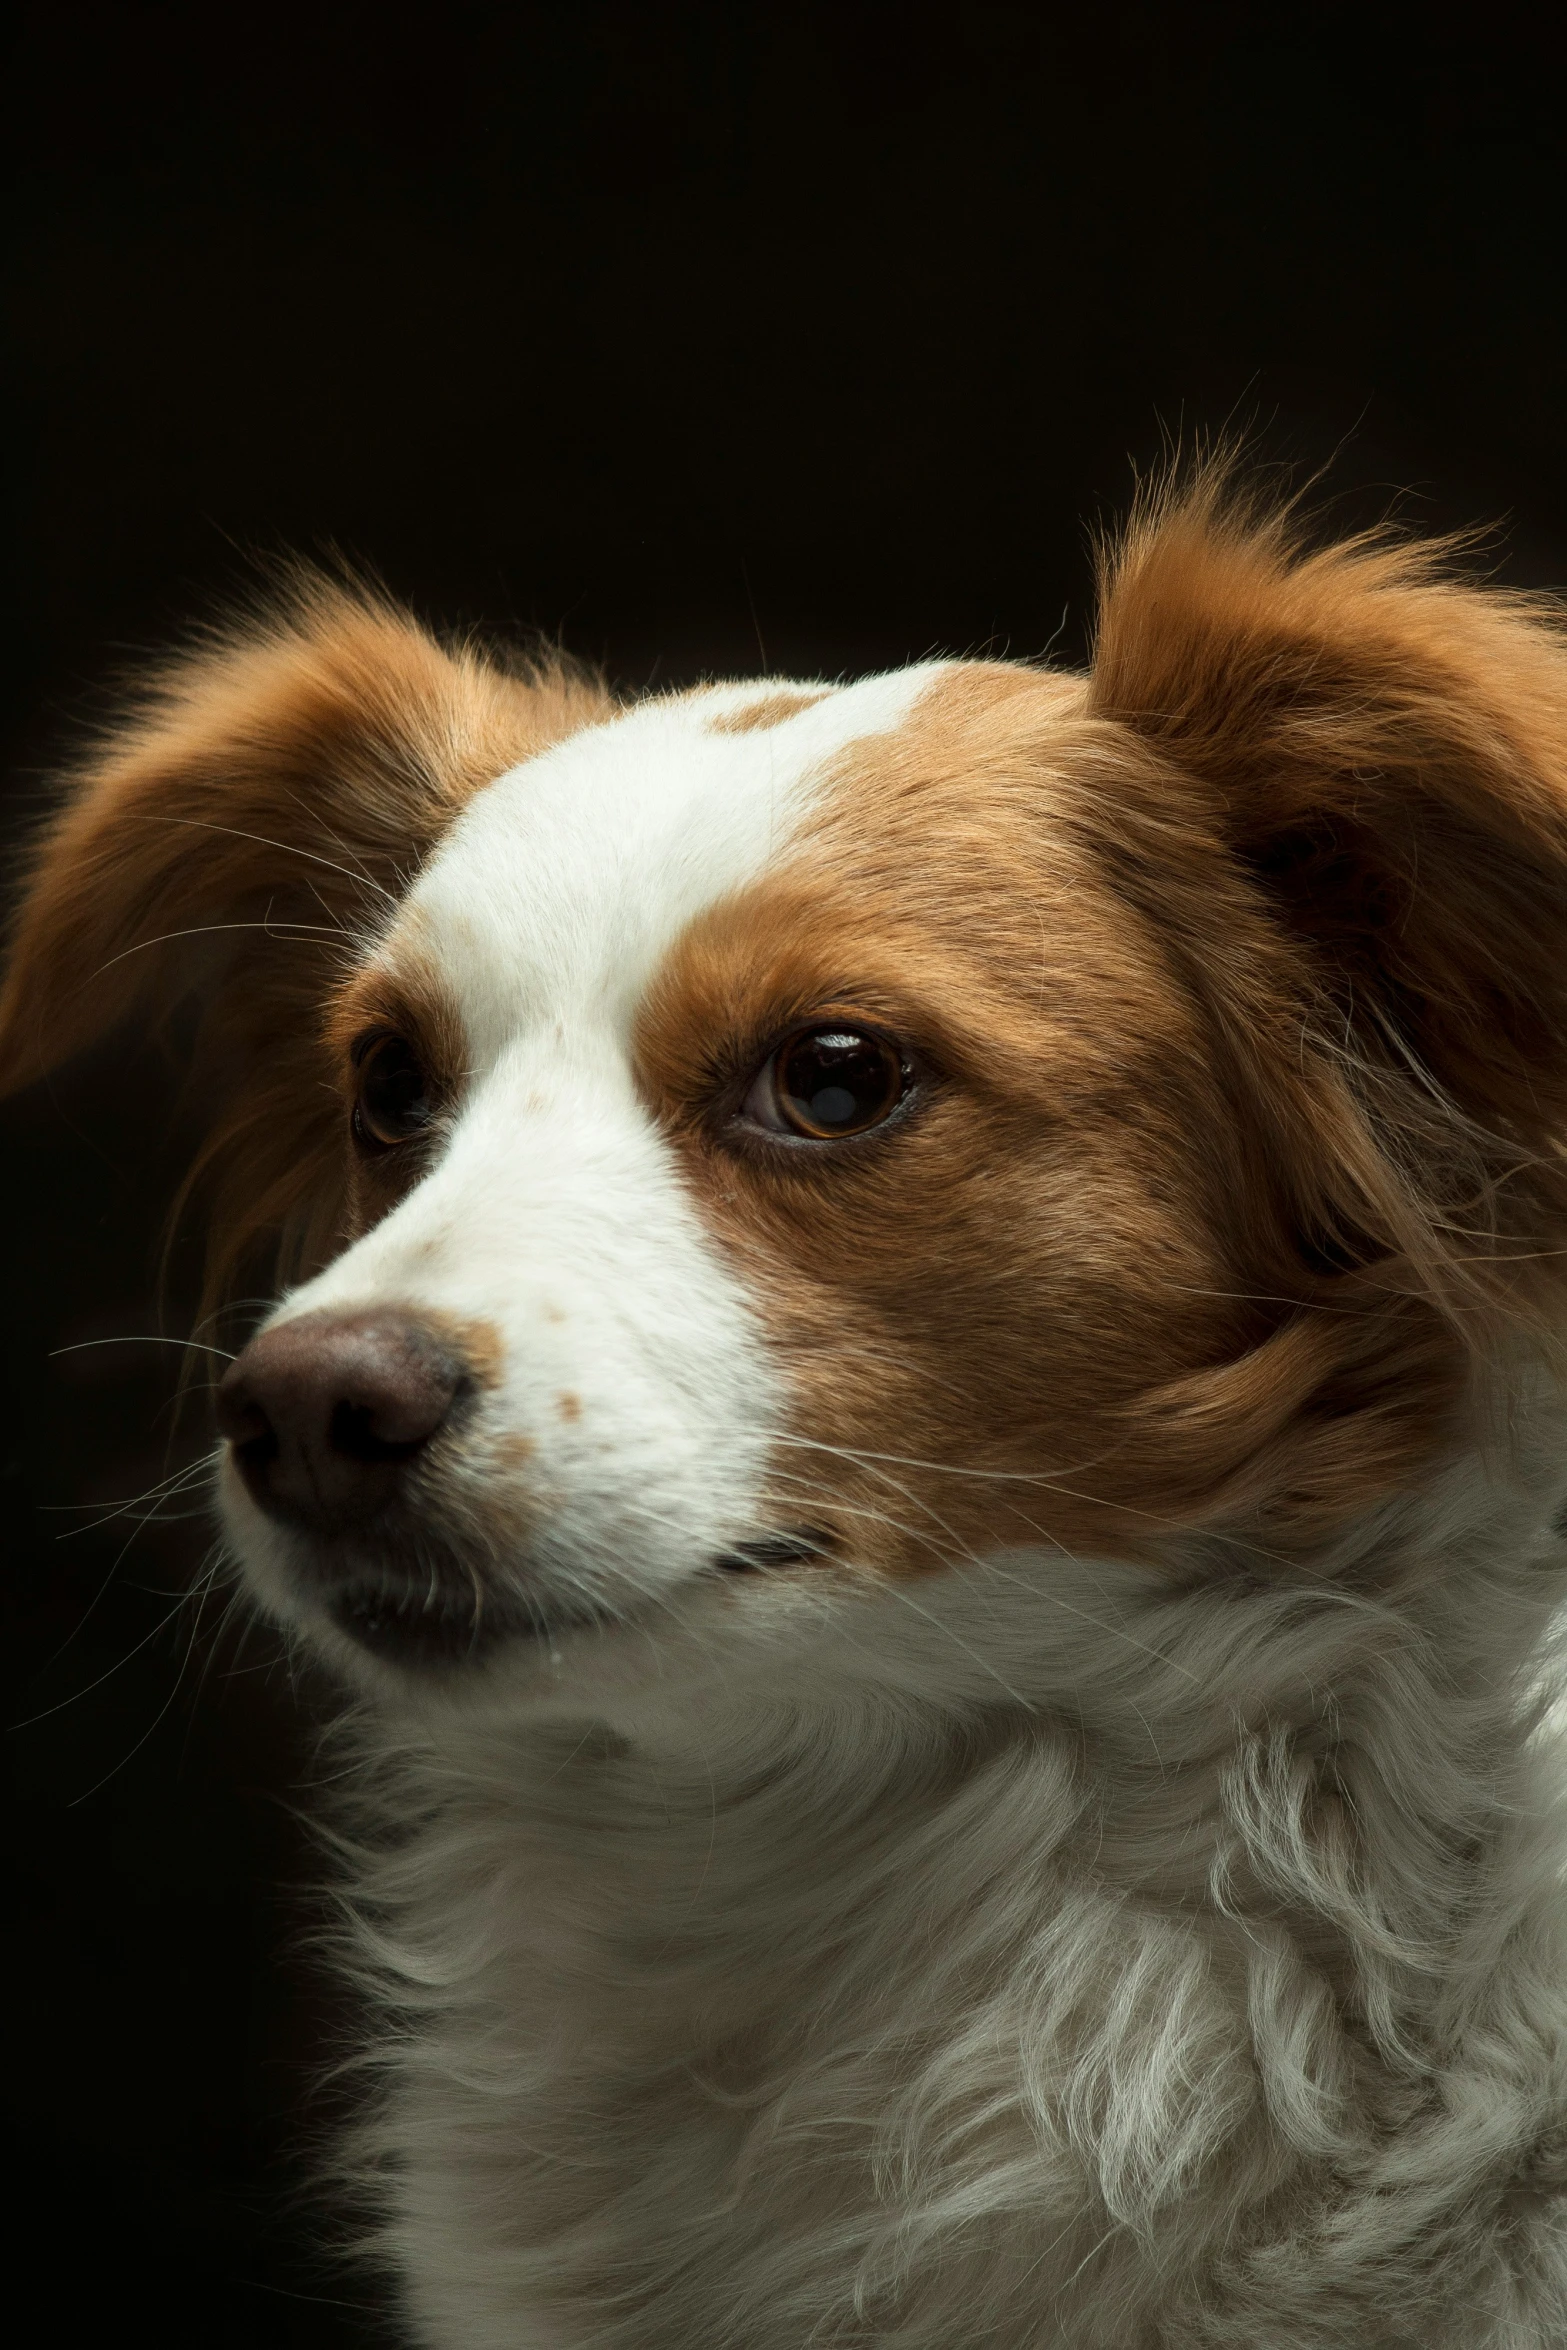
141, 1338
1160, 1521
278, 930
1051, 1483
877, 1517
1017, 1697
288, 848
86, 1615
215, 1565
166, 1489
359, 866
967, 1556
162, 1625
157, 1719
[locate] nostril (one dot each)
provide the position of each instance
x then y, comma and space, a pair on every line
353, 1433
260, 1448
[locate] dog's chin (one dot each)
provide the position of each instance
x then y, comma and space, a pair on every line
428, 1617
439, 1624
381, 1609
419, 1619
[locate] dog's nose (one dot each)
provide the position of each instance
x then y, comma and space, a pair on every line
325, 1412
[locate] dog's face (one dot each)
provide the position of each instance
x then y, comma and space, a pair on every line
768, 1149
776, 1141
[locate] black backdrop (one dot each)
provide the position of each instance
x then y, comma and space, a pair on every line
716, 338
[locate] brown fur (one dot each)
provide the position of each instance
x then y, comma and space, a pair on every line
1211, 1989
411, 1000
1381, 750
978, 1285
1247, 1090
772, 710
1235, 973
241, 833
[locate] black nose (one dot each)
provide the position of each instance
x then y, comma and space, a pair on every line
326, 1412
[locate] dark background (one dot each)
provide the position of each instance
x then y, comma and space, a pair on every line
716, 338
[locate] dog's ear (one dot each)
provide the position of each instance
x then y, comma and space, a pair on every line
1379, 747
238, 834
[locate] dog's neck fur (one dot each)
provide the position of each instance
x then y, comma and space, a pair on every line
1167, 1958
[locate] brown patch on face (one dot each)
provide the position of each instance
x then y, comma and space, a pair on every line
771, 710
476, 1341
964, 1300
1138, 1257
568, 1406
408, 999
513, 1452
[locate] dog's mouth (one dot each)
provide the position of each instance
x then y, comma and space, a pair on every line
438, 1623
424, 1620
792, 1549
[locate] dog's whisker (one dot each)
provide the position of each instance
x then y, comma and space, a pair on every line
107, 1580
949, 1632
77, 1695
142, 1338
361, 880
181, 1480
158, 1719
283, 931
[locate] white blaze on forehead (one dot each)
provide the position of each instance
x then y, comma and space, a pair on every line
562, 886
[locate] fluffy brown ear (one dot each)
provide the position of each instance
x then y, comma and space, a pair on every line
238, 834
1379, 748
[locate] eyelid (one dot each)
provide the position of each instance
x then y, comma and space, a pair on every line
761, 1101
368, 1038
760, 1108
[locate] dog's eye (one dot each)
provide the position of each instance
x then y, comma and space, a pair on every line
392, 1104
826, 1083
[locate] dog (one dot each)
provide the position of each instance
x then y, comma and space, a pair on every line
917, 1397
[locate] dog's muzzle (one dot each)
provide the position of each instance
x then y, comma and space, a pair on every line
331, 1419
338, 1424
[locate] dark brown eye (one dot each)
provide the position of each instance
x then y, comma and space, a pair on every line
392, 1104
826, 1083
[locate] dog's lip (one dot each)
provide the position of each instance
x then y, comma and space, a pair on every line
420, 1618
391, 1617
424, 1620
789, 1548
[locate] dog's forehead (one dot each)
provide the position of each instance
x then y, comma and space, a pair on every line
562, 886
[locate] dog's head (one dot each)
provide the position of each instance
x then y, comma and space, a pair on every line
773, 1139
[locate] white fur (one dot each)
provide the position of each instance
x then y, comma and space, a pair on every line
633, 1365
1050, 1952
561, 888
975, 1968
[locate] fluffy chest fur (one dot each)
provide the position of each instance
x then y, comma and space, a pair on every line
903, 2013
917, 1394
